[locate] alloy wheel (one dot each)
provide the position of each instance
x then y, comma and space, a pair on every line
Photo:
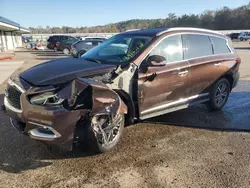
107, 128
221, 94
66, 51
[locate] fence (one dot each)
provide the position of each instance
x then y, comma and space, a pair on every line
44, 37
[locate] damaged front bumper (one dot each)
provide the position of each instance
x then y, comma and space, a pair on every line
56, 125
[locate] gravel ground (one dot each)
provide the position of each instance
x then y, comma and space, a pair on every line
189, 148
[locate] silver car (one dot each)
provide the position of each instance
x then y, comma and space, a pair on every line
82, 46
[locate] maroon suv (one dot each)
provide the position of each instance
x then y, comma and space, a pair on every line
131, 76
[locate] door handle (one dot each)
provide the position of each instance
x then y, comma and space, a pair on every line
183, 73
217, 64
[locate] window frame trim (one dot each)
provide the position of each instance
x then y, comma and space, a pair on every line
227, 44
212, 48
183, 33
157, 43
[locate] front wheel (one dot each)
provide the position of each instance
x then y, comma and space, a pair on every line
103, 132
219, 94
241, 39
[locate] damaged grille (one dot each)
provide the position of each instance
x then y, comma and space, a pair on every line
13, 97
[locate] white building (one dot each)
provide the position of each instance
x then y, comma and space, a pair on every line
10, 34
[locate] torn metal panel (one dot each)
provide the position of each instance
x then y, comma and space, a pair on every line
104, 99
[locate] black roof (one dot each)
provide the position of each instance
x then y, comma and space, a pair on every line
145, 32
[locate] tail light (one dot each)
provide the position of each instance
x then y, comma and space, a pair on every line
238, 60
58, 44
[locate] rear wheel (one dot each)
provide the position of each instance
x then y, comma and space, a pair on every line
103, 132
219, 94
66, 51
241, 39
81, 53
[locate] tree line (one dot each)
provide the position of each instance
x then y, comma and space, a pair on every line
222, 19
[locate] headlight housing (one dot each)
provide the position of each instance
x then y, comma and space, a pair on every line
47, 98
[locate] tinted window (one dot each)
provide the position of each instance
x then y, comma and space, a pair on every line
72, 38
196, 46
88, 43
55, 37
50, 39
64, 38
170, 48
220, 45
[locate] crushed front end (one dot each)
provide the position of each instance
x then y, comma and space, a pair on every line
51, 113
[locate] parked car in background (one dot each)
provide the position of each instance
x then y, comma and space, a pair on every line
25, 39
93, 38
234, 36
81, 47
65, 45
244, 36
56, 39
88, 101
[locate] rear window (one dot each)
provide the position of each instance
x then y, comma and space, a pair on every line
64, 38
54, 38
50, 39
220, 45
196, 46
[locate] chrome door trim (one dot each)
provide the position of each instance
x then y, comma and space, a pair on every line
180, 101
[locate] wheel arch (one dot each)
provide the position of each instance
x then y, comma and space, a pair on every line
83, 50
230, 79
129, 117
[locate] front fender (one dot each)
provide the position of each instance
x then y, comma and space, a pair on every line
104, 99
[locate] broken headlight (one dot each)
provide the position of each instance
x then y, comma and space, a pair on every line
46, 99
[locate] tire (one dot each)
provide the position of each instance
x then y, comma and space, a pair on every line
93, 139
241, 39
219, 95
55, 49
66, 51
80, 53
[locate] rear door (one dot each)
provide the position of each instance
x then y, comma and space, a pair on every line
164, 87
225, 55
203, 64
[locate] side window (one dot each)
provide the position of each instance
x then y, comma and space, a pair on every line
71, 38
64, 38
220, 45
170, 48
55, 38
196, 46
88, 43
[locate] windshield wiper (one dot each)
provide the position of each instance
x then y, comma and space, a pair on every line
93, 60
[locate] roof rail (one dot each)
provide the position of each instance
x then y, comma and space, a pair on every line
186, 28
132, 30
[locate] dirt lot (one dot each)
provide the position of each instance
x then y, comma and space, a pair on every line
189, 148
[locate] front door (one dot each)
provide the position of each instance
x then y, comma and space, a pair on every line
163, 85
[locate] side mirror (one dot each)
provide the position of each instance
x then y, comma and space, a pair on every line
156, 61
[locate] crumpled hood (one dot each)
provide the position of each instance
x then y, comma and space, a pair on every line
62, 70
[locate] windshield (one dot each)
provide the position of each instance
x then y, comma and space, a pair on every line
118, 49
